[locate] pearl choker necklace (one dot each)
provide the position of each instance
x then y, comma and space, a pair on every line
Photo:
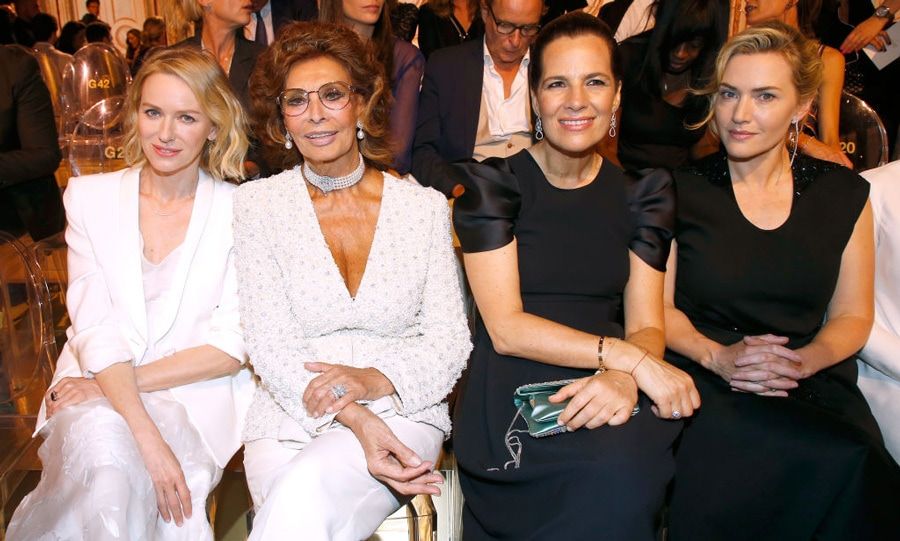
329, 184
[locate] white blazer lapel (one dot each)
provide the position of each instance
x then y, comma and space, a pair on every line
130, 242
203, 203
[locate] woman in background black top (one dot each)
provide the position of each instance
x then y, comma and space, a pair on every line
558, 243
444, 23
661, 66
769, 294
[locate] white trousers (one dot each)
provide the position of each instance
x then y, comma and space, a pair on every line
324, 491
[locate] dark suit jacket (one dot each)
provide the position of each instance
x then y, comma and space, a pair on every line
449, 104
288, 11
242, 63
29, 149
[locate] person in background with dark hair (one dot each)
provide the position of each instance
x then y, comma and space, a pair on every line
133, 47
153, 37
71, 37
565, 256
45, 27
661, 66
444, 23
29, 149
93, 12
404, 65
98, 32
25, 12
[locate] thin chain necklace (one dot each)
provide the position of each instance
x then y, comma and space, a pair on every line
329, 184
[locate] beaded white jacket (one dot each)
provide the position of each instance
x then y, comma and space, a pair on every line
407, 319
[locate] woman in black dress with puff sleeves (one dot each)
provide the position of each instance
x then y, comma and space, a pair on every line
768, 297
557, 243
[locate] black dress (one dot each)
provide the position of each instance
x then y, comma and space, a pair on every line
652, 131
810, 466
573, 245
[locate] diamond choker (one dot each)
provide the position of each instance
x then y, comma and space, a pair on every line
329, 184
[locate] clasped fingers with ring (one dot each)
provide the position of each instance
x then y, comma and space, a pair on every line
338, 391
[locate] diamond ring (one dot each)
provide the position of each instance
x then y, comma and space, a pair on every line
676, 414
338, 391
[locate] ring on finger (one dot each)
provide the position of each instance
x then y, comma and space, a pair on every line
338, 391
676, 414
53, 396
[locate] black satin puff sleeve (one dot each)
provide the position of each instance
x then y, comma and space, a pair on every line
484, 215
651, 199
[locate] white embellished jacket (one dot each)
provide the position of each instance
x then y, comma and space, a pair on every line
407, 319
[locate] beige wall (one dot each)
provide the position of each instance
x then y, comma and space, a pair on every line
120, 14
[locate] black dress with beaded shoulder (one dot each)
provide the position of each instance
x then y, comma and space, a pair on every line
573, 259
749, 467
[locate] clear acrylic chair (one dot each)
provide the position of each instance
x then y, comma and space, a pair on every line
27, 356
862, 134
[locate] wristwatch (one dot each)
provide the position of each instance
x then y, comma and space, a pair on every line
883, 12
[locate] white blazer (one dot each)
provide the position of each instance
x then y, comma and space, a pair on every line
106, 298
879, 375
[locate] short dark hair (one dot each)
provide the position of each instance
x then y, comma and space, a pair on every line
43, 25
571, 25
89, 2
97, 32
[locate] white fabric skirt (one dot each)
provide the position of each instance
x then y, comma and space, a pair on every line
94, 483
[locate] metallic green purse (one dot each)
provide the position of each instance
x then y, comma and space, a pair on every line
533, 403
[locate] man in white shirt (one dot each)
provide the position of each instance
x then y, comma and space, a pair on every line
474, 102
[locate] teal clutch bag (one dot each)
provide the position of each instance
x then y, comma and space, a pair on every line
533, 403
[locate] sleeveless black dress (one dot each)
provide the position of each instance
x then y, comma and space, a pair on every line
810, 466
607, 483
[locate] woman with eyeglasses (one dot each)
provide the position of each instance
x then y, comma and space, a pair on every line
350, 300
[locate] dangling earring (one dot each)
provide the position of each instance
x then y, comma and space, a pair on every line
360, 134
795, 139
288, 141
612, 125
538, 130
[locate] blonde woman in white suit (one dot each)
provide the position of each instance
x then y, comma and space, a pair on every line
879, 364
149, 395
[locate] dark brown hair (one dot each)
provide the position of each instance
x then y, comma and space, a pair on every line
302, 41
571, 25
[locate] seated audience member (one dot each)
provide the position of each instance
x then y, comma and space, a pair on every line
71, 37
21, 24
661, 67
802, 14
879, 364
29, 149
93, 12
221, 33
768, 298
153, 37
98, 32
149, 395
357, 332
550, 311
474, 102
133, 47
444, 23
275, 15
403, 63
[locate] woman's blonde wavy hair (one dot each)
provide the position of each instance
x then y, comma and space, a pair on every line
222, 158
801, 54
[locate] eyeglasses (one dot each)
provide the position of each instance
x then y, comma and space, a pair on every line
507, 28
334, 95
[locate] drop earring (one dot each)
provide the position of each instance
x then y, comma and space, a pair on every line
288, 141
538, 130
360, 134
612, 125
795, 139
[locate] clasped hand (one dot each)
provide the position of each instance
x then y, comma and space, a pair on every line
319, 397
760, 364
69, 392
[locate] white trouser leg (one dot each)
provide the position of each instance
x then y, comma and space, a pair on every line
324, 491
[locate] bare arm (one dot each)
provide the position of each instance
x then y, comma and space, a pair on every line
187, 366
829, 100
851, 310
